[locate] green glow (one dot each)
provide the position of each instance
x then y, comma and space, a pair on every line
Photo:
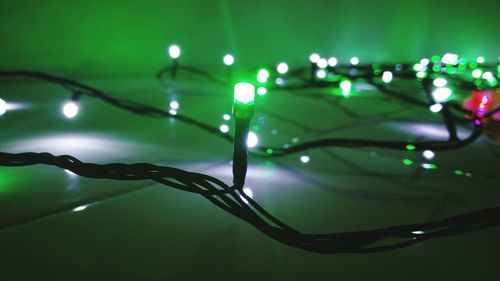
473, 65
436, 68
492, 82
407, 162
346, 86
262, 91
429, 166
263, 75
451, 70
255, 127
410, 147
462, 61
435, 58
269, 151
498, 71
458, 172
244, 93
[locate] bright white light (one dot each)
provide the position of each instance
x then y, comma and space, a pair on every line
480, 60
305, 159
440, 82
476, 73
427, 166
487, 75
261, 91
174, 105
70, 109
80, 208
172, 112
441, 94
321, 74
280, 81
314, 58
3, 107
262, 76
252, 140
354, 60
428, 154
424, 61
387, 76
418, 232
282, 68
226, 117
69, 172
228, 60
248, 191
346, 87
174, 51
332, 61
436, 107
224, 128
450, 59
322, 63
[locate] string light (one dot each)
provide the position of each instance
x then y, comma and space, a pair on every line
305, 159
174, 51
70, 109
476, 73
244, 93
174, 105
322, 63
314, 58
441, 94
262, 91
428, 154
387, 76
354, 60
252, 140
321, 74
440, 82
228, 60
224, 128
480, 60
332, 61
282, 68
437, 107
262, 76
226, 117
345, 86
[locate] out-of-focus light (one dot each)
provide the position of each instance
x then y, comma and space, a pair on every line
418, 232
428, 154
428, 166
410, 147
450, 59
419, 67
282, 68
487, 75
3, 107
321, 74
305, 159
322, 63
80, 208
332, 61
262, 75
421, 74
280, 81
252, 140
354, 60
248, 191
345, 86
437, 107
407, 162
172, 112
174, 105
314, 58
70, 109
261, 91
480, 60
476, 73
224, 128
226, 117
174, 51
459, 172
228, 60
424, 61
244, 93
440, 82
387, 76
441, 94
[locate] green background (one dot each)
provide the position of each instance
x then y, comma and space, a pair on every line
130, 37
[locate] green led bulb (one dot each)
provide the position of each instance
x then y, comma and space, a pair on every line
244, 93
244, 100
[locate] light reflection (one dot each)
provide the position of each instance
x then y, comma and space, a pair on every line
80, 208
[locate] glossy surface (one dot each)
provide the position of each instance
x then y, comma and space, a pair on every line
62, 226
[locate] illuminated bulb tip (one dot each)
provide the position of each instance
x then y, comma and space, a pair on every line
332, 61
174, 105
262, 91
70, 109
224, 128
263, 75
487, 75
428, 154
322, 63
174, 51
226, 117
244, 93
252, 140
440, 82
172, 112
314, 58
321, 74
3, 107
354, 60
387, 76
480, 60
441, 94
228, 60
346, 87
305, 159
476, 73
282, 68
436, 107
425, 61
